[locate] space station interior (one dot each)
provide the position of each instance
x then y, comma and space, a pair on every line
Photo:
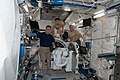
93, 56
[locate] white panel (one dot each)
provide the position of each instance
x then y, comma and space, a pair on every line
44, 23
73, 17
94, 59
108, 45
97, 32
109, 22
109, 32
96, 43
105, 27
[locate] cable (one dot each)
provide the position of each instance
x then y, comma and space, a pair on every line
78, 10
96, 1
85, 3
87, 9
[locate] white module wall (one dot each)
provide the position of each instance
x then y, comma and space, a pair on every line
103, 40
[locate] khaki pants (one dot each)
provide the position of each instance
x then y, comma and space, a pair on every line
44, 53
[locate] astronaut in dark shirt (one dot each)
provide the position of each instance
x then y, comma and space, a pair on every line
46, 40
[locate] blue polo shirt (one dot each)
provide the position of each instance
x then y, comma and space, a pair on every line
45, 39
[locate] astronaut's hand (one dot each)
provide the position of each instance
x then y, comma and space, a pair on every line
70, 39
54, 46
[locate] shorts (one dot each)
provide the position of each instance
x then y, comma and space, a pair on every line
44, 53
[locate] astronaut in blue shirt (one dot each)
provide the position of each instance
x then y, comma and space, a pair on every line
46, 40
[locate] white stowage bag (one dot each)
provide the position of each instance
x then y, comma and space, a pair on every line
60, 58
9, 39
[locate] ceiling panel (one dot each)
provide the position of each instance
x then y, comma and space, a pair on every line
52, 14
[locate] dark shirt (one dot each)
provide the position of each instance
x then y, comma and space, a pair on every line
45, 39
